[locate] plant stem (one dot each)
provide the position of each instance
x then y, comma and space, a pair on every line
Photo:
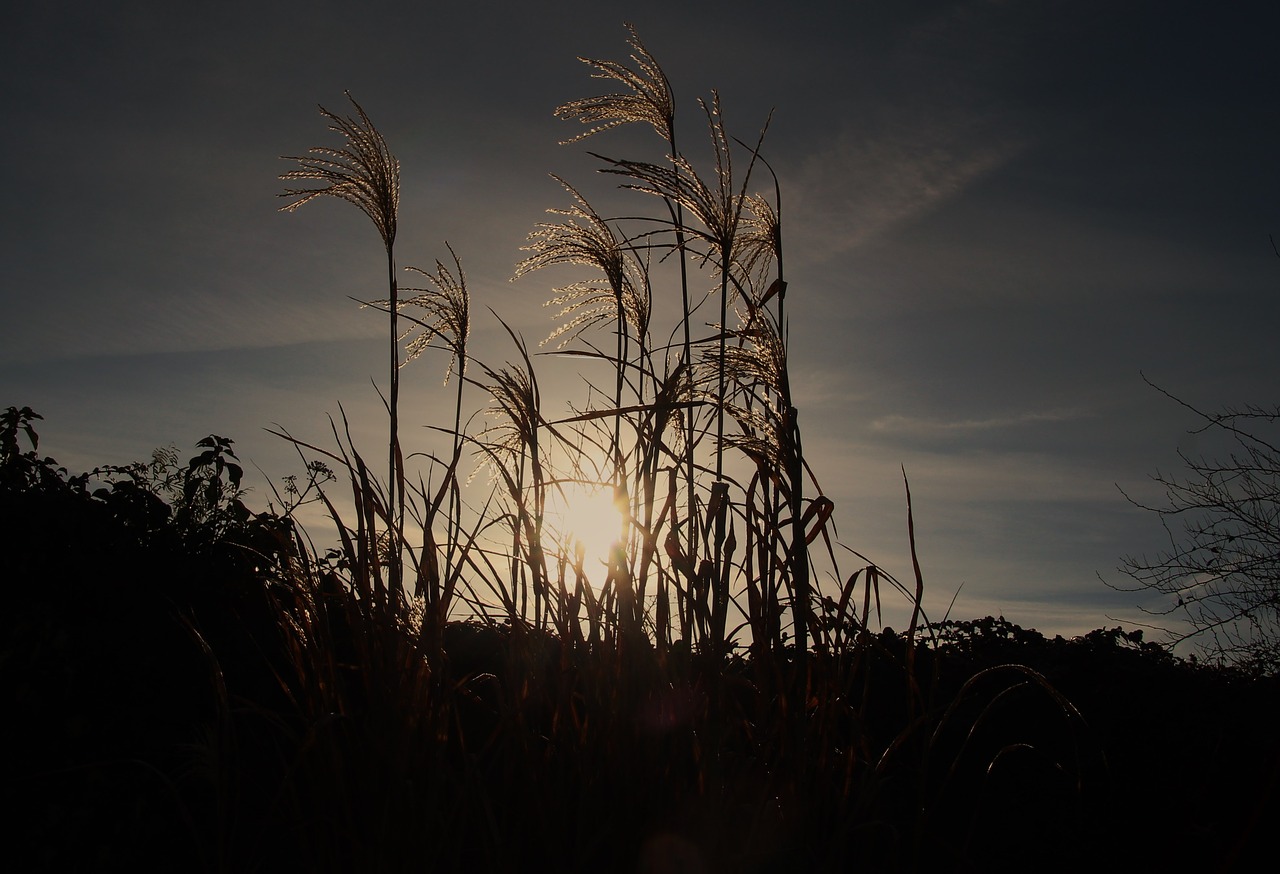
395, 483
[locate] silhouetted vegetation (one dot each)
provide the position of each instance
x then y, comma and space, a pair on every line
187, 689
1221, 571
449, 686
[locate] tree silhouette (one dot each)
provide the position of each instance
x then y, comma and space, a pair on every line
1221, 572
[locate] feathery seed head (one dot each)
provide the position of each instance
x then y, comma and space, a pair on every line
447, 307
716, 206
759, 239
760, 357
649, 101
586, 239
514, 394
363, 172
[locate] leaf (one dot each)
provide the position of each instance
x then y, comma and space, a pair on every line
777, 287
820, 508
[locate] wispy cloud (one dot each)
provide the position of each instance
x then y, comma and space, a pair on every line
939, 117
861, 185
896, 424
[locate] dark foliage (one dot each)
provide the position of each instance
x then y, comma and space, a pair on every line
187, 691
128, 621
1193, 768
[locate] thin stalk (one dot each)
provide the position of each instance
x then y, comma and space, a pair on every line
365, 173
395, 464
687, 361
453, 522
720, 594
795, 460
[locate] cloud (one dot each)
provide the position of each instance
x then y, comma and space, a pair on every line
878, 174
941, 111
896, 424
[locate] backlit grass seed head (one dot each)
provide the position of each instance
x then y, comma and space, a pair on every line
760, 436
757, 359
585, 304
363, 172
648, 99
514, 393
717, 207
586, 239
447, 307
673, 401
759, 239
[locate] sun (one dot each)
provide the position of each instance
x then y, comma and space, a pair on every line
585, 514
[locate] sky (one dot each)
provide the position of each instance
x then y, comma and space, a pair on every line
998, 217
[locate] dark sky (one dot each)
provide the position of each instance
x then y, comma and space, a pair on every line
998, 215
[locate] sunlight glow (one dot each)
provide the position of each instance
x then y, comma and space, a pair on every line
585, 514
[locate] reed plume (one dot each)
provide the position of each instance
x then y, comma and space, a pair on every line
446, 307
649, 99
586, 239
717, 207
364, 172
507, 446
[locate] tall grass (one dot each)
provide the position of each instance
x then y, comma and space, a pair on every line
701, 668
364, 173
670, 407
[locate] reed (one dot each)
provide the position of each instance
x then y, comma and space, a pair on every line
701, 667
365, 173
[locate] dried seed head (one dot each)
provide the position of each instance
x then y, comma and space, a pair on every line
649, 99
364, 172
